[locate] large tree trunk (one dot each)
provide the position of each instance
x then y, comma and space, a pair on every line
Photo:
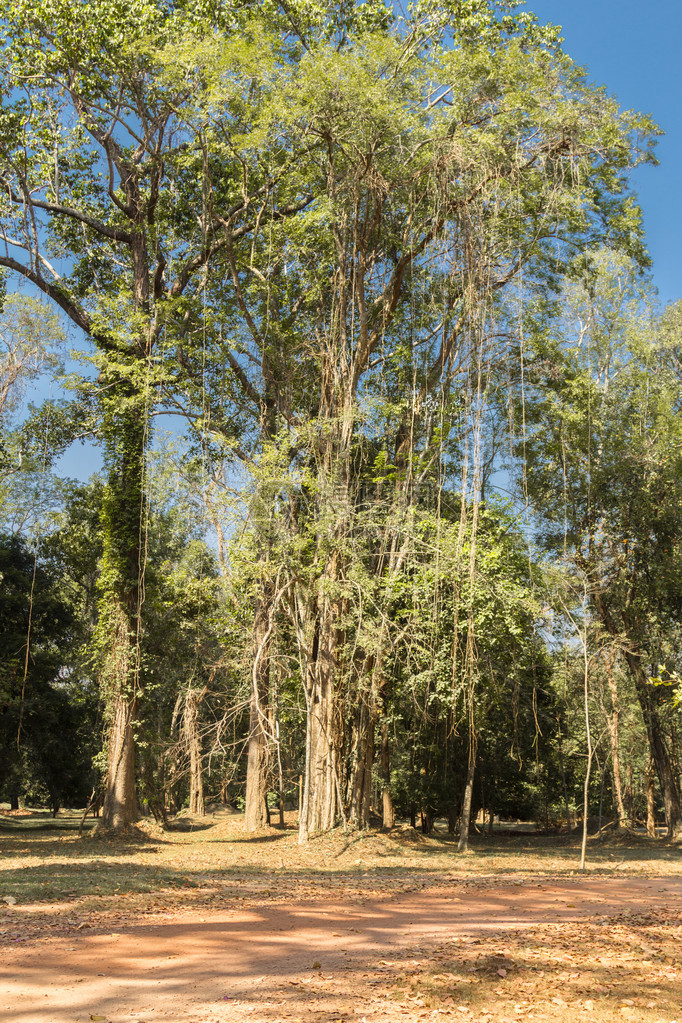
256, 810
321, 784
120, 806
120, 631
613, 726
364, 727
121, 578
193, 743
322, 800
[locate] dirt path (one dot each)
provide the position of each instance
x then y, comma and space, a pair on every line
292, 961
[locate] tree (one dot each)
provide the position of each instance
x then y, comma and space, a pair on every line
29, 333
182, 670
30, 337
607, 402
437, 174
45, 741
111, 203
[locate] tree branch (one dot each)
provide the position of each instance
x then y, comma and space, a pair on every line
68, 211
77, 315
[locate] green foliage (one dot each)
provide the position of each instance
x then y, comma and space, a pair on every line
45, 712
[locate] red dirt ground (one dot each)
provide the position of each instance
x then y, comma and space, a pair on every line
333, 960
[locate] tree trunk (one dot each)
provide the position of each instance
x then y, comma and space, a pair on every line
371, 705
366, 804
120, 807
465, 819
361, 779
648, 697
629, 793
613, 723
156, 770
122, 572
650, 801
588, 733
388, 813
14, 801
613, 726
193, 742
321, 786
322, 800
256, 812
564, 787
357, 770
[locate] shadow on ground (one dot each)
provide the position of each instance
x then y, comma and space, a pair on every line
45, 861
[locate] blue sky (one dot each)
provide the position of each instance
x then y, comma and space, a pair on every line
633, 48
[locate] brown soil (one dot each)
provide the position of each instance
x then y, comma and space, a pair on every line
432, 945
325, 959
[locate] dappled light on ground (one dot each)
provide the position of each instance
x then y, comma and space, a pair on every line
207, 925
